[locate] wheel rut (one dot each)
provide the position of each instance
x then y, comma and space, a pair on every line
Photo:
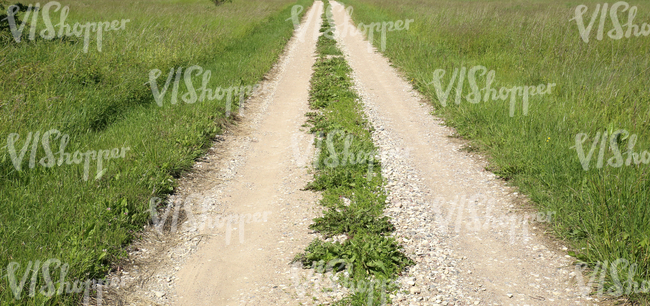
473, 243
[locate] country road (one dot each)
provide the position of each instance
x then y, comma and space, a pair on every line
474, 239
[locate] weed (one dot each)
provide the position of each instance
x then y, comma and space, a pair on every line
352, 191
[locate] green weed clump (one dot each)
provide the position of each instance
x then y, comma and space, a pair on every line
100, 101
350, 179
601, 86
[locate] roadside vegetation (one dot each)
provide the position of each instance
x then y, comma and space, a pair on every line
601, 87
349, 177
102, 100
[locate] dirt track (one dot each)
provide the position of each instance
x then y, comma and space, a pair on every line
491, 262
267, 181
261, 167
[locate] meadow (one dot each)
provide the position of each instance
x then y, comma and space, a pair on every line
58, 97
597, 113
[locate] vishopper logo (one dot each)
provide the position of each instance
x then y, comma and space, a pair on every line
301, 31
347, 156
615, 138
52, 287
367, 30
301, 151
472, 222
616, 32
192, 223
617, 289
191, 96
317, 278
49, 160
49, 32
487, 93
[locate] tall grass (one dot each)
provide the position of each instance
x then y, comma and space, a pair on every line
101, 101
601, 86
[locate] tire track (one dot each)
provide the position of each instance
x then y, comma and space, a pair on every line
246, 212
459, 261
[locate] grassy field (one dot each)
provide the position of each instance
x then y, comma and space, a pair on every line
601, 87
55, 209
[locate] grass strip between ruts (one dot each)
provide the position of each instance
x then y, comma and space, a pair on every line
350, 179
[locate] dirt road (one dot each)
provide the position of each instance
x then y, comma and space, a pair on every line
268, 181
472, 239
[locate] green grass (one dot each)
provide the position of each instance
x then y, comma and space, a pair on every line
601, 86
101, 101
347, 170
